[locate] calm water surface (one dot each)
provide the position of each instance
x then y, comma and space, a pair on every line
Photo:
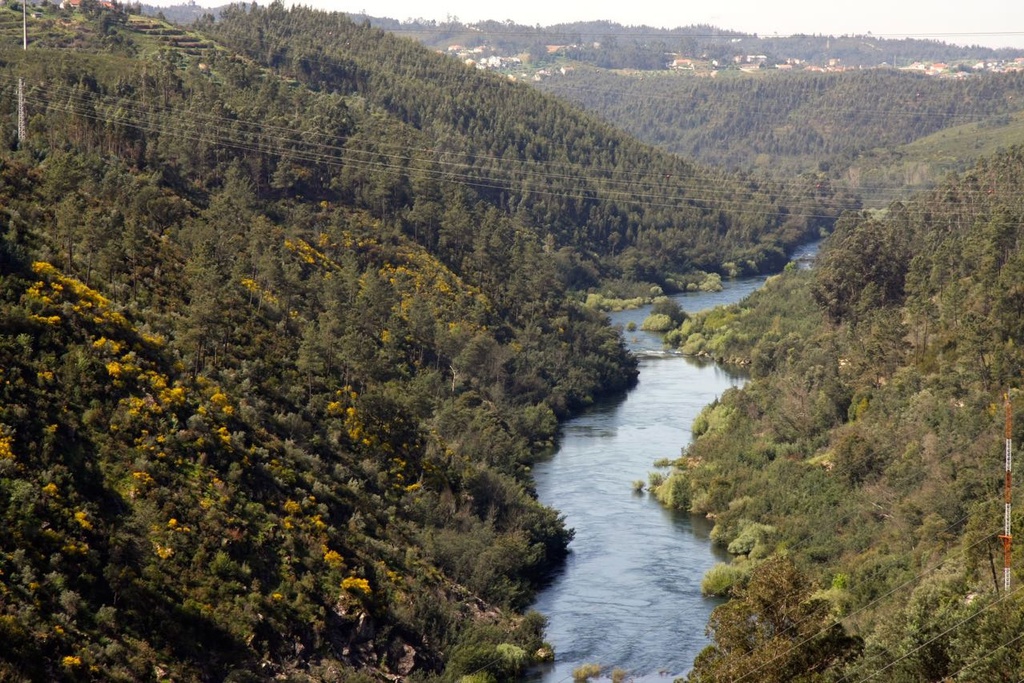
629, 595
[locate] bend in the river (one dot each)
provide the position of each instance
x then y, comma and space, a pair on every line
629, 595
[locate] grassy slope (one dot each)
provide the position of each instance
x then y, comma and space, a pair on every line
926, 161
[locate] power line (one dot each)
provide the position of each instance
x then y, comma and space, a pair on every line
287, 142
981, 657
617, 186
865, 607
290, 143
403, 153
931, 640
707, 191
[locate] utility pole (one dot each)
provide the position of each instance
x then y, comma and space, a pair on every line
1006, 537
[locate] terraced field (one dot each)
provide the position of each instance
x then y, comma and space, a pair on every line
52, 27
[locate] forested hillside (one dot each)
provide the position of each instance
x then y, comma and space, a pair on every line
789, 123
858, 478
287, 310
682, 90
618, 204
771, 122
607, 44
399, 129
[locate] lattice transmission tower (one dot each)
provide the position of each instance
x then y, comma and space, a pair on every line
1007, 537
22, 125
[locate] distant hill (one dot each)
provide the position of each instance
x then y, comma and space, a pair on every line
894, 172
786, 124
641, 79
776, 105
187, 13
611, 45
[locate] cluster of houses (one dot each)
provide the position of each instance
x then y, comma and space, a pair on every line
751, 63
66, 4
76, 4
991, 66
483, 57
478, 57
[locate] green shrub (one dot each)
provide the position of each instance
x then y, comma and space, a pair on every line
700, 423
468, 659
479, 677
752, 539
711, 283
720, 580
585, 672
674, 491
657, 322
694, 344
513, 657
671, 308
529, 633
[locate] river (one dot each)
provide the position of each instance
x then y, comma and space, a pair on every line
629, 594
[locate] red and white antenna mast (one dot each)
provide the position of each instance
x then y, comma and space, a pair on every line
1006, 537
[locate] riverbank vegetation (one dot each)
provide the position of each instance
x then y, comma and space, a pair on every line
858, 477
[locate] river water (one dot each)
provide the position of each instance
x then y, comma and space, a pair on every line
629, 594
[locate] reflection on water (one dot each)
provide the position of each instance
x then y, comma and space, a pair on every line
629, 595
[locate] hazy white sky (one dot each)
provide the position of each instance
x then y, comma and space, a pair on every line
995, 23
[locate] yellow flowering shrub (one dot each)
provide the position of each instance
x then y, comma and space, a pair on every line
6, 439
83, 519
333, 559
352, 583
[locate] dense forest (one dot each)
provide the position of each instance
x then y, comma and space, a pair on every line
858, 478
428, 122
767, 121
642, 214
789, 123
288, 307
771, 122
